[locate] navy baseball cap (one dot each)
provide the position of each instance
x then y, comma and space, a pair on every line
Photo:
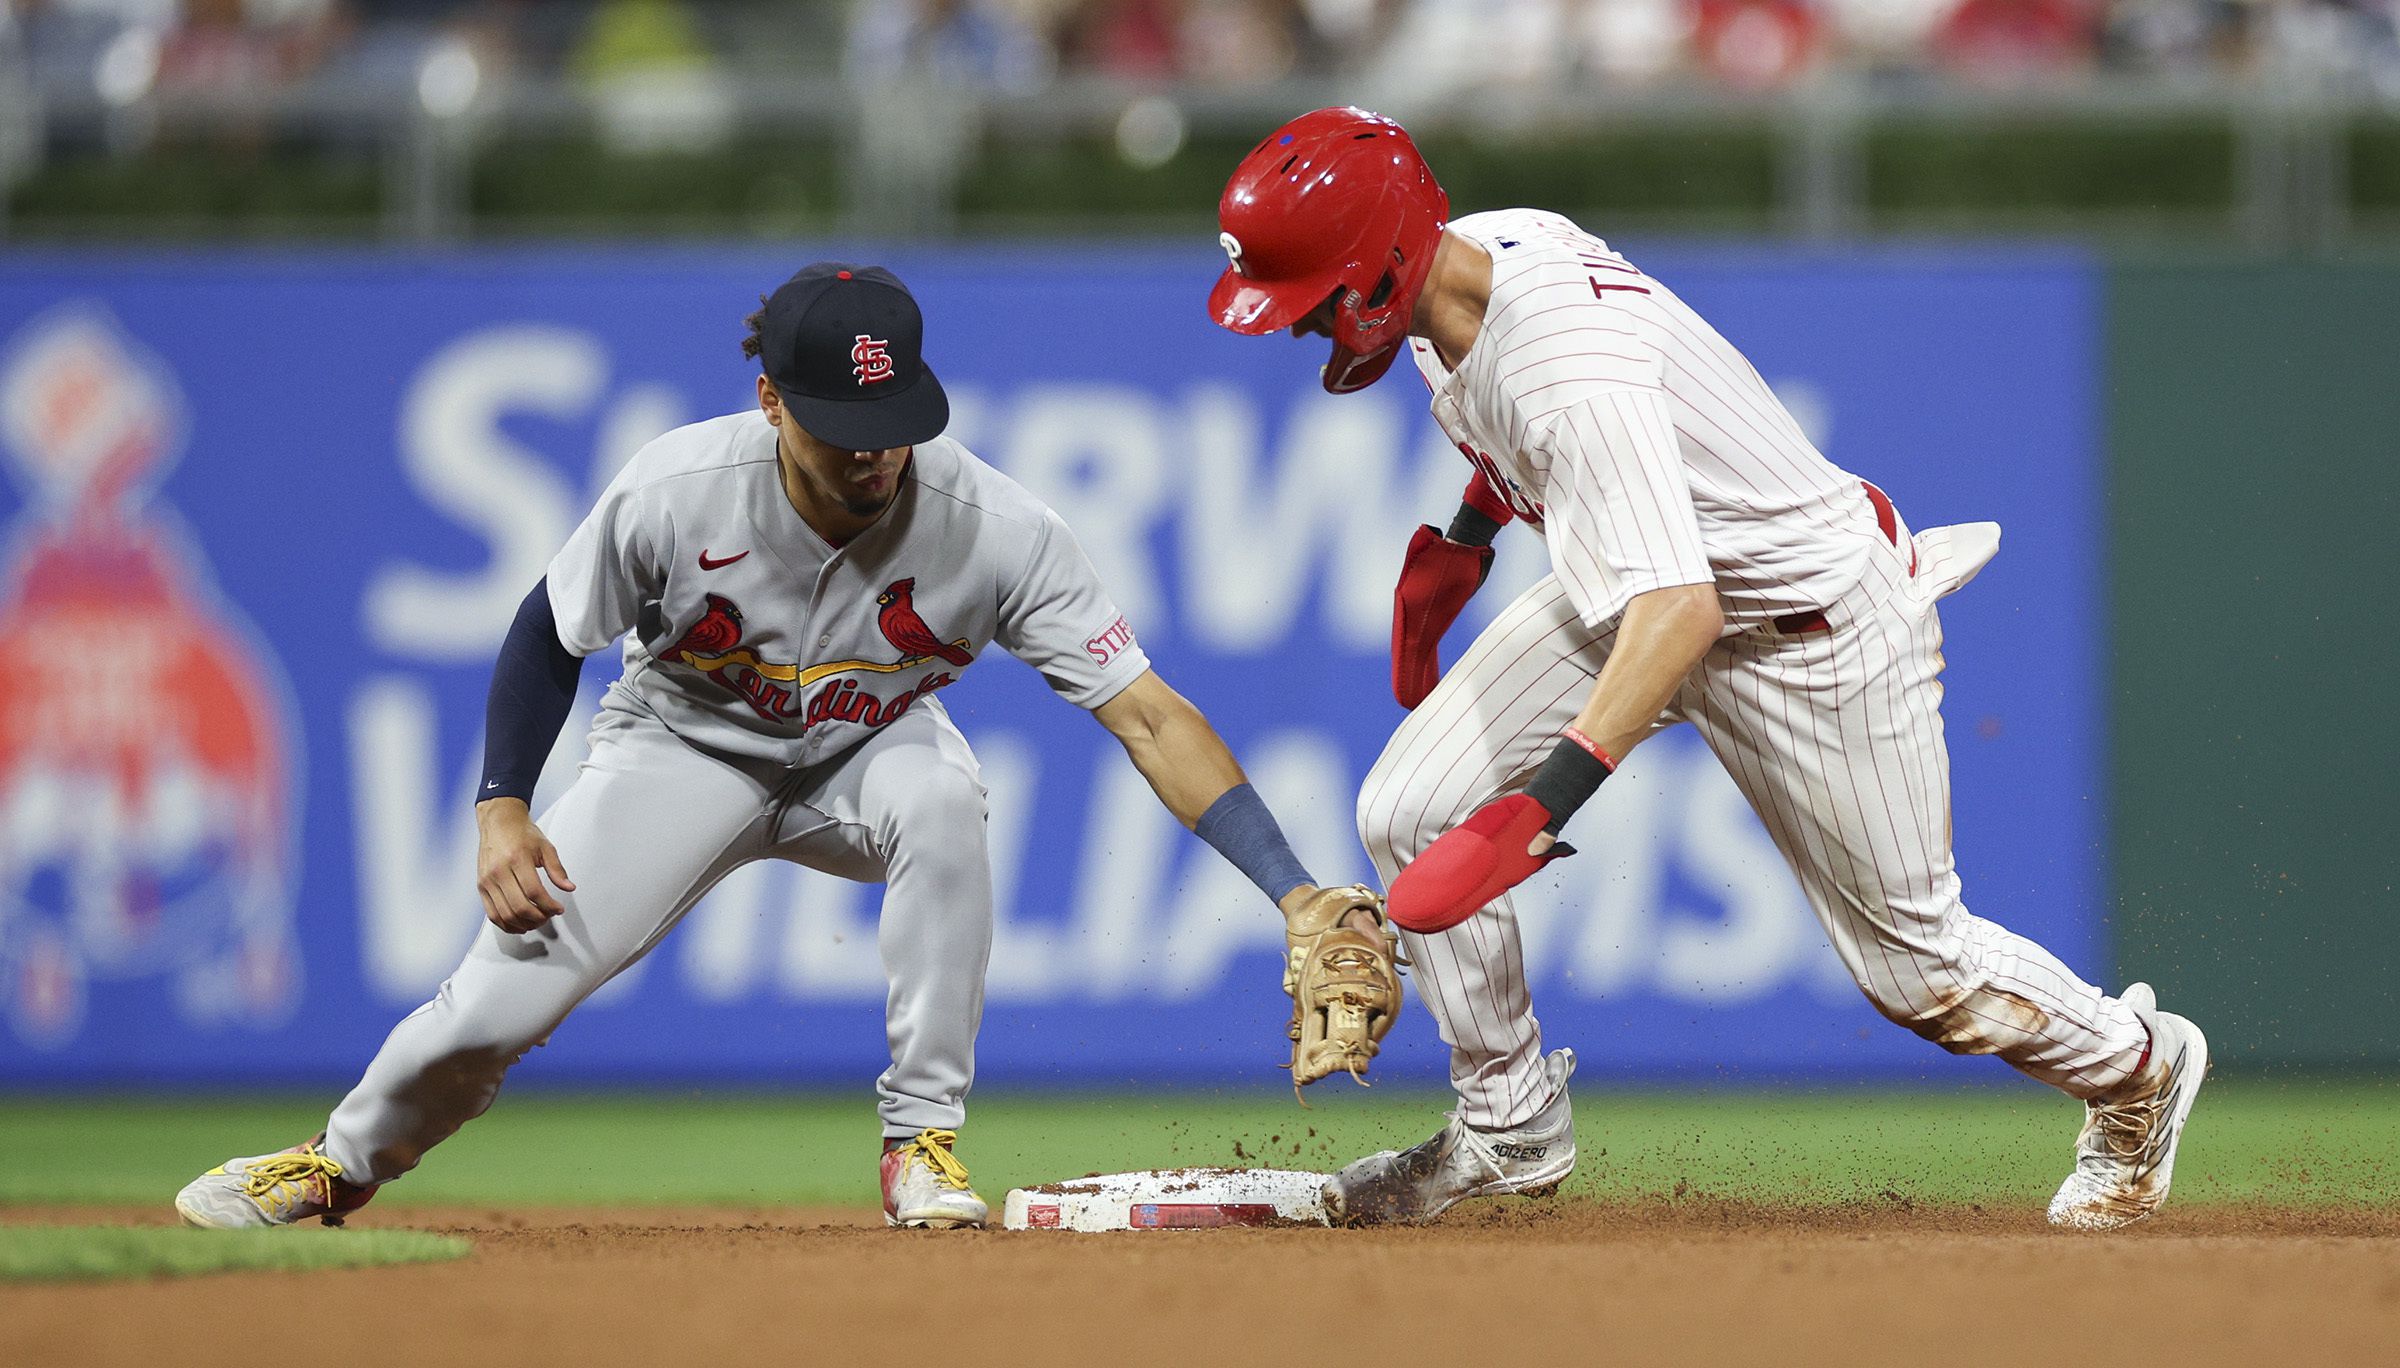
844, 346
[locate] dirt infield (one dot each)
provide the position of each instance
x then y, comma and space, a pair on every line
1682, 1282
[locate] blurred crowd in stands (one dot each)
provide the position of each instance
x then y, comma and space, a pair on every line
1402, 52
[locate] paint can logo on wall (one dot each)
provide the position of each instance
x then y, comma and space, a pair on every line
146, 790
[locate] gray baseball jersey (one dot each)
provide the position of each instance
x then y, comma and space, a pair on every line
775, 705
747, 633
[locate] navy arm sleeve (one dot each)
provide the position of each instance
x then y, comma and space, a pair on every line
533, 690
1244, 832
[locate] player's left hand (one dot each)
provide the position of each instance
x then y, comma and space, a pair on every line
1475, 862
1341, 970
1437, 577
512, 858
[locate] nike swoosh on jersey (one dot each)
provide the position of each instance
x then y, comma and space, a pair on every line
707, 564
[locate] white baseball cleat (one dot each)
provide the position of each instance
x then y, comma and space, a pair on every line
283, 1188
1458, 1162
2125, 1157
924, 1185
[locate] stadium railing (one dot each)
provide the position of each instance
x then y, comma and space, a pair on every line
2219, 162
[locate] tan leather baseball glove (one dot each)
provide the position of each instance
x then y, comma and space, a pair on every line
1344, 984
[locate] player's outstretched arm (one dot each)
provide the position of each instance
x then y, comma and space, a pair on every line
1188, 765
1663, 636
533, 690
1193, 772
1340, 958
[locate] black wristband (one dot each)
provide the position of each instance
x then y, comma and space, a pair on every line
1472, 527
1566, 781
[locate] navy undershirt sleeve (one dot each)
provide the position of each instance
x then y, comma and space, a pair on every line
533, 690
1244, 832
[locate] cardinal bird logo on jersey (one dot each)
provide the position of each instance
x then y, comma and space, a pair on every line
713, 646
776, 692
719, 630
904, 629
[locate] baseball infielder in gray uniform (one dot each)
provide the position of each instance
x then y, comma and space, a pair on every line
794, 585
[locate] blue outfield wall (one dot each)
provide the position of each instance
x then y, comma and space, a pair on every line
267, 517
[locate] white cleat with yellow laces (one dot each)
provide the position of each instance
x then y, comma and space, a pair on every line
283, 1188
925, 1186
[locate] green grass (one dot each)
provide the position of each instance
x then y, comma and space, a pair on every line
2250, 1140
42, 1253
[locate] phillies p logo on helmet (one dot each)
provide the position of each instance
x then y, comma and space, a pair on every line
869, 361
1335, 205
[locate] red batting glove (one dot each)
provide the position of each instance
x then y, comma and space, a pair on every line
1472, 864
1437, 578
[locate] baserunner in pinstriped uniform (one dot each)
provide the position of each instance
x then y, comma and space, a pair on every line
1708, 566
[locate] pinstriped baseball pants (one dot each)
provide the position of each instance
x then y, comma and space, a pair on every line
1835, 738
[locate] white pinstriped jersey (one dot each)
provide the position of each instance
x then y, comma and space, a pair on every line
1651, 454
1646, 448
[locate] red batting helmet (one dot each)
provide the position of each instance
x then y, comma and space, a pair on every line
1336, 204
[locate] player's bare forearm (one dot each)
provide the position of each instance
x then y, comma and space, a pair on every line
1188, 765
511, 856
1662, 638
1171, 743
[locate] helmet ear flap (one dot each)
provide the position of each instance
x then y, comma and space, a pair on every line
1383, 290
1348, 371
1359, 321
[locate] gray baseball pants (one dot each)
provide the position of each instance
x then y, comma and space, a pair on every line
649, 825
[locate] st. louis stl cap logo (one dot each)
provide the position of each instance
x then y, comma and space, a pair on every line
869, 361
